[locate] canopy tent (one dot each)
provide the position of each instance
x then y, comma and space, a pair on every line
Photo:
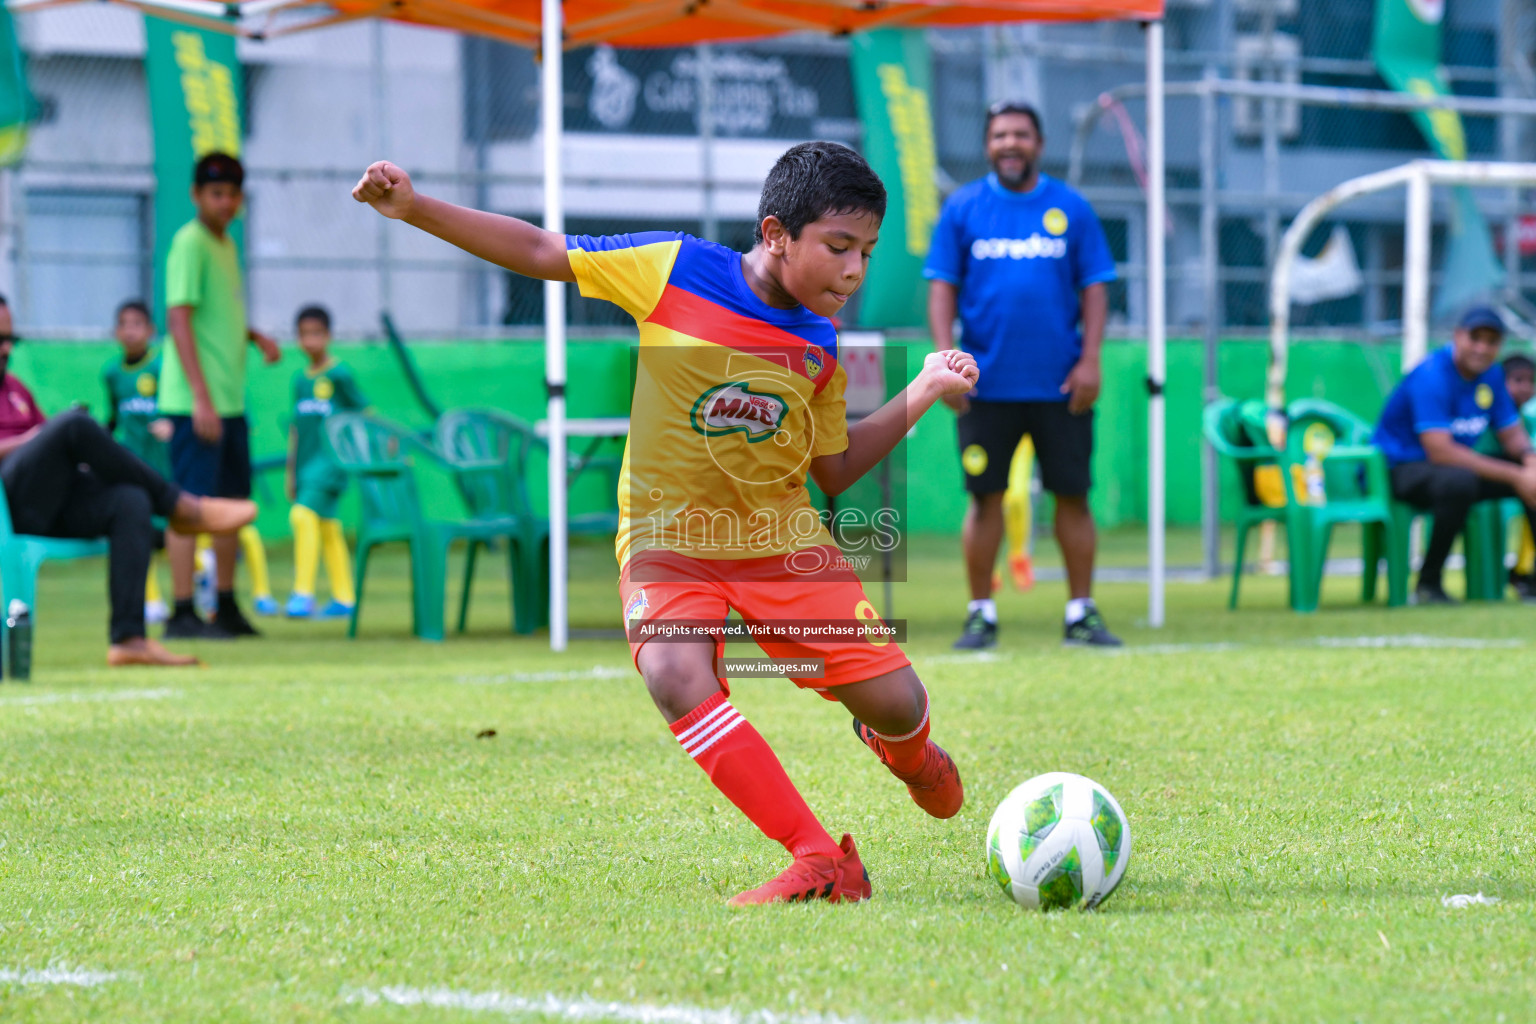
554, 26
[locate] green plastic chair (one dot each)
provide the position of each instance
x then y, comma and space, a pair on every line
22, 555
378, 454
1356, 489
1231, 428
487, 453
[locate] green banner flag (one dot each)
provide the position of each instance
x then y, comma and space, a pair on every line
1406, 49
891, 75
195, 108
17, 106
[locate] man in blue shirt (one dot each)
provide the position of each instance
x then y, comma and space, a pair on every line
1429, 430
1022, 261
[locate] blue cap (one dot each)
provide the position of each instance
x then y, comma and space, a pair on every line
1479, 317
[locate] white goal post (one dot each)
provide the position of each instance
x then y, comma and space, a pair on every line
1419, 176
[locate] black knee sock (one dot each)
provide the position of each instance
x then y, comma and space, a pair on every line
184, 606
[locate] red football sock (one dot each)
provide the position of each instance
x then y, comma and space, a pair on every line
742, 766
904, 754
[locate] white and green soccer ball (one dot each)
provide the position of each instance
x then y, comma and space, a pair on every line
1058, 840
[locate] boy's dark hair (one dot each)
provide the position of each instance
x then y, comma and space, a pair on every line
134, 306
815, 179
319, 313
1519, 361
1002, 107
218, 167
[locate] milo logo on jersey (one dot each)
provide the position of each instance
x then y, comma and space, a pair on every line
1035, 247
734, 406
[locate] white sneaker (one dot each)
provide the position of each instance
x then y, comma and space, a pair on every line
155, 612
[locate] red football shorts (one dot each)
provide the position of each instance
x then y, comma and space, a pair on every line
810, 586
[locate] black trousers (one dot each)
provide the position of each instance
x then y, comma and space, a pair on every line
73, 480
1448, 493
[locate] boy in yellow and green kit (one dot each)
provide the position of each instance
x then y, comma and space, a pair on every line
315, 481
132, 381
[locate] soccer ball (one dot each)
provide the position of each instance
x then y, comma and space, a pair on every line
1058, 840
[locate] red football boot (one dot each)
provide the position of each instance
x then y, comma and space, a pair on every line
815, 876
935, 787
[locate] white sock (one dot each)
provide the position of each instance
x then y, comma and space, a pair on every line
1078, 607
987, 607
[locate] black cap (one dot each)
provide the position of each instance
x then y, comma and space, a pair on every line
1481, 317
218, 167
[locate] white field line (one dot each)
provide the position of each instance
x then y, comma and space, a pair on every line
101, 696
1461, 901
583, 1009
1415, 640
1170, 648
59, 976
595, 672
976, 658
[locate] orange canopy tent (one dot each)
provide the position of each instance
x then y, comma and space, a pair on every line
554, 26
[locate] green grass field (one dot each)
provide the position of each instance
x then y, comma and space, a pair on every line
316, 829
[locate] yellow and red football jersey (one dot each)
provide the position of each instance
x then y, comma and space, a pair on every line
732, 400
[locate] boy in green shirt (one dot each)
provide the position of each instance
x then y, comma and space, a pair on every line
202, 383
315, 481
132, 380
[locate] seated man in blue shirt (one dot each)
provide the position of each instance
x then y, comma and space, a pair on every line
1430, 427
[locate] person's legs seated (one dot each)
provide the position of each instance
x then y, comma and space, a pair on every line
123, 514
1448, 493
46, 467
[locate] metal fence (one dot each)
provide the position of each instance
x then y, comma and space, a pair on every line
681, 138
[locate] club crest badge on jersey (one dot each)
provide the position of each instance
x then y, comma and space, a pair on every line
145, 385
1484, 396
324, 389
1055, 221
815, 359
635, 610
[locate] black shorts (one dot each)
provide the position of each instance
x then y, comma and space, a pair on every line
221, 470
990, 431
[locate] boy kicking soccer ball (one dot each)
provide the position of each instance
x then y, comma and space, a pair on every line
738, 396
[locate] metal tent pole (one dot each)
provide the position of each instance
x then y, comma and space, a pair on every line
554, 322
1157, 361
1210, 243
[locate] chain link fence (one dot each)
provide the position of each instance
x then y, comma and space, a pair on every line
681, 138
